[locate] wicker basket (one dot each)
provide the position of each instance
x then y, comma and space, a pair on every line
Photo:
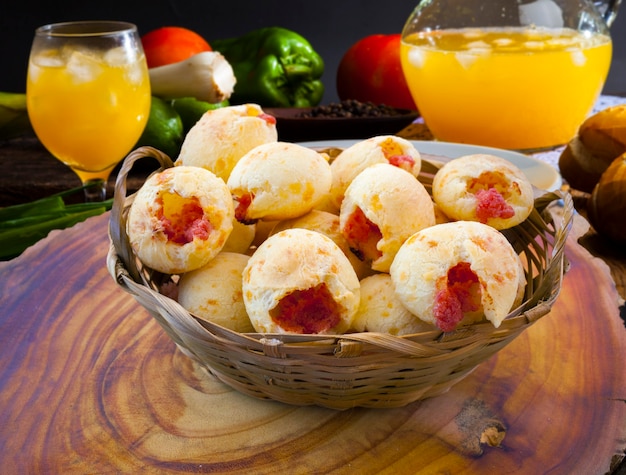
345, 371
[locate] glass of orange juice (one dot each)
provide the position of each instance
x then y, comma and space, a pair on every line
88, 96
516, 74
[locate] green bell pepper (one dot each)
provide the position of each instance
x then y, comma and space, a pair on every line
164, 129
274, 67
191, 110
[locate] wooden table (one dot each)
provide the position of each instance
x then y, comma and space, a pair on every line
91, 384
30, 172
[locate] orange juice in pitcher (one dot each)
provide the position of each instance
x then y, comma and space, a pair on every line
509, 88
522, 74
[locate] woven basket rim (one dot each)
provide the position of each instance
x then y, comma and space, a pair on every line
517, 317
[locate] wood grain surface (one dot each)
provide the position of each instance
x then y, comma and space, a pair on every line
91, 384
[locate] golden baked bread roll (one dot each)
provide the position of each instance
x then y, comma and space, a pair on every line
180, 219
382, 207
241, 238
458, 273
483, 188
382, 311
606, 207
262, 229
213, 292
278, 180
222, 136
380, 149
604, 133
299, 281
600, 140
327, 224
579, 167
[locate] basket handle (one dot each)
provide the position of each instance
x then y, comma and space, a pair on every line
117, 221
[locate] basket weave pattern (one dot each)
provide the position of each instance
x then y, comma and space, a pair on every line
351, 370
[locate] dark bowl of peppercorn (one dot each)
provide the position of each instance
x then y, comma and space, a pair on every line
349, 119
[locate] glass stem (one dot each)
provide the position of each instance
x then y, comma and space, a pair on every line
95, 190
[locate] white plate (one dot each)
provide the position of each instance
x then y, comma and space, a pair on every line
542, 175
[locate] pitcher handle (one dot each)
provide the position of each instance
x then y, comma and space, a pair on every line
608, 9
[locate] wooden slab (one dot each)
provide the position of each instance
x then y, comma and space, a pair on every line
90, 384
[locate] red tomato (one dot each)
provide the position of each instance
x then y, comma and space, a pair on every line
171, 44
371, 71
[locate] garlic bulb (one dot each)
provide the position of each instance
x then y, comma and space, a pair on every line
207, 76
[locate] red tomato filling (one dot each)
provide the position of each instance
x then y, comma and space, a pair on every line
241, 210
182, 222
395, 155
270, 119
492, 190
458, 293
307, 311
491, 204
254, 112
362, 236
405, 162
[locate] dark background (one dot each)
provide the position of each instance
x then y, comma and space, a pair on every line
332, 26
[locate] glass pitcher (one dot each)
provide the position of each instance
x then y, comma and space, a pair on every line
513, 74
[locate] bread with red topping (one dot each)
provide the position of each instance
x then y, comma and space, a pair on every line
278, 180
382, 207
458, 273
180, 219
328, 224
483, 188
353, 160
299, 281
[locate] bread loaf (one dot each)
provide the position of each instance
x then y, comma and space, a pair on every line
600, 140
607, 204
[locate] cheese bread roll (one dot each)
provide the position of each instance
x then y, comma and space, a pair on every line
213, 292
278, 180
180, 219
222, 136
483, 188
262, 230
383, 206
299, 281
380, 149
382, 311
240, 238
459, 272
327, 224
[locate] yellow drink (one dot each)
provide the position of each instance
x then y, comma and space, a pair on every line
513, 88
88, 108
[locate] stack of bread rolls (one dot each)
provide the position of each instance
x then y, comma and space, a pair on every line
594, 162
600, 140
274, 237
